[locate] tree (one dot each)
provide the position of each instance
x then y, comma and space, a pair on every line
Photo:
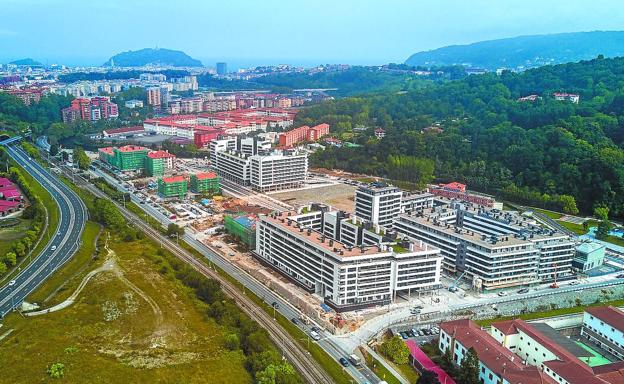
231, 342
54, 149
81, 158
174, 229
601, 212
10, 259
469, 368
396, 350
604, 227
428, 377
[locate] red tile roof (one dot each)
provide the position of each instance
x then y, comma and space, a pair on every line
206, 175
173, 179
610, 315
160, 154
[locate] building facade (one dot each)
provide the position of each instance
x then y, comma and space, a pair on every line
207, 182
378, 203
172, 187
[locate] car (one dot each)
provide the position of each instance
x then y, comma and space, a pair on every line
11, 283
410, 333
53, 248
421, 332
275, 305
414, 311
315, 329
575, 282
403, 335
344, 362
435, 330
620, 276
453, 289
415, 332
295, 321
502, 293
523, 290
418, 306
427, 331
315, 335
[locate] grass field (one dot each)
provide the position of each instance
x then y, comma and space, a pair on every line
380, 370
553, 215
11, 234
114, 333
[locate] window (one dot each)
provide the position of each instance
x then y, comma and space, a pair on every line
491, 376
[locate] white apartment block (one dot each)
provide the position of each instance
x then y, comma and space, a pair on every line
378, 203
248, 162
346, 277
496, 252
605, 327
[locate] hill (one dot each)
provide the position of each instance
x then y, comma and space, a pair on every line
28, 62
526, 51
157, 56
547, 153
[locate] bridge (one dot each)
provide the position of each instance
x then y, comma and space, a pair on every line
10, 140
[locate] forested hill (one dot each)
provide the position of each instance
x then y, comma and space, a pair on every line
159, 56
548, 153
526, 51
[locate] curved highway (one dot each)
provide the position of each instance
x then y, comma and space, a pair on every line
62, 245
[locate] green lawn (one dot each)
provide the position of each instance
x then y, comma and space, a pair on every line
11, 234
160, 334
381, 371
552, 214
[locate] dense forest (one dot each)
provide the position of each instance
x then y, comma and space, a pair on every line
554, 154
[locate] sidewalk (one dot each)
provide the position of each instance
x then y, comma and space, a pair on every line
385, 364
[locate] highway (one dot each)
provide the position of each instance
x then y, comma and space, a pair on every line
65, 241
360, 374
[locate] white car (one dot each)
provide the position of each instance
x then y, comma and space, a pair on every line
315, 335
11, 283
54, 248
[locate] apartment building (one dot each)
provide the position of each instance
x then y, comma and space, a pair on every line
346, 277
205, 182
378, 203
605, 327
153, 96
175, 186
90, 109
494, 252
516, 352
278, 170
303, 133
158, 162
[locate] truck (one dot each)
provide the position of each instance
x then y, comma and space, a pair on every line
355, 360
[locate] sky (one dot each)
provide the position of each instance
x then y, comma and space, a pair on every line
299, 32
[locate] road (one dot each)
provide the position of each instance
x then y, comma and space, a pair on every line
328, 342
66, 241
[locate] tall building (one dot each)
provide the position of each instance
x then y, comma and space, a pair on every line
346, 277
92, 109
221, 69
378, 203
175, 186
153, 96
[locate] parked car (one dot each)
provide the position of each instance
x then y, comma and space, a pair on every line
421, 332
523, 290
502, 293
403, 335
344, 362
410, 333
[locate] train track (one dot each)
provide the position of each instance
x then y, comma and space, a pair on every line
301, 360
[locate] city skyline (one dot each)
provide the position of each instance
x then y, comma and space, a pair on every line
304, 33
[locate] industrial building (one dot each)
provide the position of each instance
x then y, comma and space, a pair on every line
297, 245
207, 182
175, 186
516, 352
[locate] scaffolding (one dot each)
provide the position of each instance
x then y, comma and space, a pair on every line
241, 228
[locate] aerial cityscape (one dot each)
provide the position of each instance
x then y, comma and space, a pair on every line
312, 192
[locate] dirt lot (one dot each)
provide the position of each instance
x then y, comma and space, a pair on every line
339, 196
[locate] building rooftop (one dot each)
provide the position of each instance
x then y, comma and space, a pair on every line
107, 150
131, 148
589, 247
206, 175
123, 130
610, 315
173, 179
160, 154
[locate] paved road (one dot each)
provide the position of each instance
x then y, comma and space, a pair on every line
66, 241
360, 374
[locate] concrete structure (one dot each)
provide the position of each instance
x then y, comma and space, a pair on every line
346, 277
378, 203
175, 186
207, 182
589, 255
458, 191
605, 327
153, 96
248, 162
126, 158
520, 353
495, 249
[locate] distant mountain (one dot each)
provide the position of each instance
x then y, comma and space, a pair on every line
27, 62
526, 51
158, 56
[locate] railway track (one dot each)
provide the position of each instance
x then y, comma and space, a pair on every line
301, 360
